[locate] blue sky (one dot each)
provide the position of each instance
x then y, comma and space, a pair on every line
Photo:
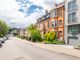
22, 13
32, 6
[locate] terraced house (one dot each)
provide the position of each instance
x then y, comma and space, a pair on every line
57, 20
72, 22
43, 24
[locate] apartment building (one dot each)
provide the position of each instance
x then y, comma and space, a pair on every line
43, 24
57, 20
72, 22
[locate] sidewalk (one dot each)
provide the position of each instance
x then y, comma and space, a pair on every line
65, 49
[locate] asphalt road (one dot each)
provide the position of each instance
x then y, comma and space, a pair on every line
14, 49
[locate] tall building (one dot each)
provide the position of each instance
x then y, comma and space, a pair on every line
72, 22
57, 20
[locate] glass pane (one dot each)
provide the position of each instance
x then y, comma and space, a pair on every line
74, 17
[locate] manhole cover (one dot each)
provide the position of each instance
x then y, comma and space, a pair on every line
20, 58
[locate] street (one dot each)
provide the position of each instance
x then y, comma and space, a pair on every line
14, 49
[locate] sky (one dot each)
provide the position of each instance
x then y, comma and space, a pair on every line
22, 13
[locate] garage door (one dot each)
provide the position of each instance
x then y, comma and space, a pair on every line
73, 41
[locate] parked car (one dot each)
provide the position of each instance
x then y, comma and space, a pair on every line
0, 43
7, 36
2, 40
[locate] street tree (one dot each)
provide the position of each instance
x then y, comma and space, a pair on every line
34, 33
4, 28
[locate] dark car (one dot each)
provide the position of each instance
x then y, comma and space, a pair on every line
0, 43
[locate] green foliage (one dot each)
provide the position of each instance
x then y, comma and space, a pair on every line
29, 38
77, 46
34, 33
55, 42
18, 36
50, 36
58, 42
22, 37
4, 29
15, 33
61, 42
48, 42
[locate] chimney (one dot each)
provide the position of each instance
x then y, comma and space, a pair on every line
55, 4
46, 12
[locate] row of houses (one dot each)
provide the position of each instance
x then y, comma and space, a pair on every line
63, 19
22, 32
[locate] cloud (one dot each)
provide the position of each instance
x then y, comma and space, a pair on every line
23, 12
28, 7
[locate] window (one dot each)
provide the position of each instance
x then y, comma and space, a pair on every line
79, 28
54, 24
72, 6
54, 13
69, 18
60, 33
60, 13
48, 24
43, 18
44, 27
60, 23
73, 29
69, 6
72, 18
47, 16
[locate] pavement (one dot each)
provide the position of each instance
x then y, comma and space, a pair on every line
63, 49
16, 49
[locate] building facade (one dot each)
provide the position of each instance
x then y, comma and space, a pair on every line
22, 32
57, 20
43, 24
72, 22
